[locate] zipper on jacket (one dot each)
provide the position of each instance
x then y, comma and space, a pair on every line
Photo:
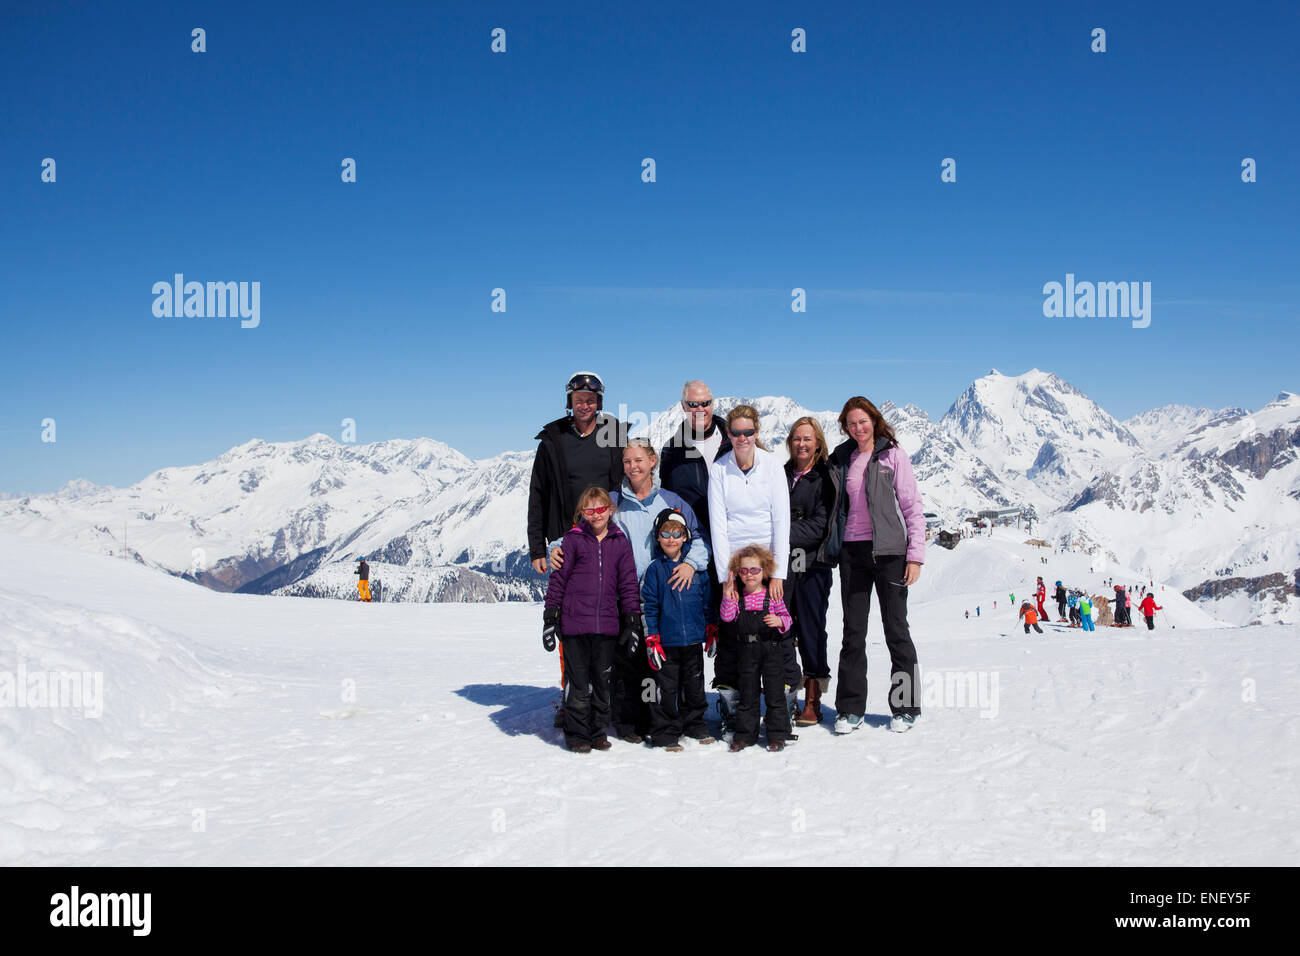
600, 575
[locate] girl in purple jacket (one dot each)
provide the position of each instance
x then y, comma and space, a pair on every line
592, 604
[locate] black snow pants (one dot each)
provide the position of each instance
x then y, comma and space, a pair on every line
588, 661
859, 572
679, 704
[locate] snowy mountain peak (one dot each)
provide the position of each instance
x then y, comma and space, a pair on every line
1025, 439
81, 488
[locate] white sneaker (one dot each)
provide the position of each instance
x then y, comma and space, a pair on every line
847, 723
902, 724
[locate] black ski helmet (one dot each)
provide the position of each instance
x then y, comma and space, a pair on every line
585, 382
671, 514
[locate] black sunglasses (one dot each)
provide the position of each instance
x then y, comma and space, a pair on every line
744, 433
699, 404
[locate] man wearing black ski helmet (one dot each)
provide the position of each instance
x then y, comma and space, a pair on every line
580, 449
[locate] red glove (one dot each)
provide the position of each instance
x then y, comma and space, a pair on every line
654, 652
710, 639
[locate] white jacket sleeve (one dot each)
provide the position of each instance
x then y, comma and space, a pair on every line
718, 519
780, 492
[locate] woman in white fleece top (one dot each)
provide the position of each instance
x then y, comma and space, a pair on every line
749, 503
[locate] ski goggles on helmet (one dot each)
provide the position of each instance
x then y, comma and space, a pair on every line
585, 382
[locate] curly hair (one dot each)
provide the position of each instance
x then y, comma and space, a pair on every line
756, 552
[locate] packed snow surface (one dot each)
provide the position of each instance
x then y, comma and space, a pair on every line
248, 729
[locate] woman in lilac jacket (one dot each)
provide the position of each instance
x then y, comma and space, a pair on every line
878, 540
593, 602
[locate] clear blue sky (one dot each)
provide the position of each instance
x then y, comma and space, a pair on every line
523, 171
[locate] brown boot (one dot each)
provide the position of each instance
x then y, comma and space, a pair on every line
819, 688
808, 716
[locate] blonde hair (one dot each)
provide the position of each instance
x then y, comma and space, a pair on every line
757, 552
593, 493
642, 443
818, 436
750, 412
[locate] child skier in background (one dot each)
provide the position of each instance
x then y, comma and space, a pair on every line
1060, 603
676, 624
762, 630
1085, 612
1073, 602
592, 604
1030, 616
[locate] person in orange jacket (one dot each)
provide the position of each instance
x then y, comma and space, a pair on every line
1031, 617
1149, 608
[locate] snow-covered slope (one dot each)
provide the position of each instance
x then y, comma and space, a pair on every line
239, 729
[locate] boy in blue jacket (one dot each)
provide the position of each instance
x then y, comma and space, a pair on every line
679, 625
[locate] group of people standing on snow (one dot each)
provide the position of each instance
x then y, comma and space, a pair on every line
712, 547
1075, 607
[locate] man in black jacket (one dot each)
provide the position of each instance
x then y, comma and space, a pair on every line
583, 448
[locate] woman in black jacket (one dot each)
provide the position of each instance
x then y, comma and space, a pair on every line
808, 587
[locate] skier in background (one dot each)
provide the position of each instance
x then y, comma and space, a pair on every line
363, 584
1149, 608
1073, 602
1085, 612
1040, 594
1060, 603
1121, 607
1030, 617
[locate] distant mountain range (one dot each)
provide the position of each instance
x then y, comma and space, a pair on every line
1208, 500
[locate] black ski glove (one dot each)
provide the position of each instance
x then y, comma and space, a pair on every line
550, 627
631, 634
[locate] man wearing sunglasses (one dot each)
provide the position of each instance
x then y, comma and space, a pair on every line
685, 458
